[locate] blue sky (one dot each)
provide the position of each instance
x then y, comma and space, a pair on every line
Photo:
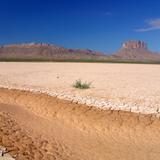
101, 25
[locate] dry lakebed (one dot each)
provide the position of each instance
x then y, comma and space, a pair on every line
43, 117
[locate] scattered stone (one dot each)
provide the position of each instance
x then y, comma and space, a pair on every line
105, 105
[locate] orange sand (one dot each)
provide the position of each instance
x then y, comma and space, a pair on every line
41, 127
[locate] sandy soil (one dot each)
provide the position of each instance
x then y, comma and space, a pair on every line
37, 126
125, 86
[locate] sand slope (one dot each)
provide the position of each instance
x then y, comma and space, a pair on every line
38, 126
118, 118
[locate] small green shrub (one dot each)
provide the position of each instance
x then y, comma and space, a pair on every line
81, 85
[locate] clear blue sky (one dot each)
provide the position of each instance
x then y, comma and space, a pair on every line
95, 24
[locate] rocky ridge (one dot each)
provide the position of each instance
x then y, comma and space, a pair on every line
130, 50
136, 50
134, 45
48, 51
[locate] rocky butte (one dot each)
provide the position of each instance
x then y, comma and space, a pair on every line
136, 50
135, 45
131, 50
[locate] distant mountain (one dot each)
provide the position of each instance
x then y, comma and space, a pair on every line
130, 51
43, 50
136, 50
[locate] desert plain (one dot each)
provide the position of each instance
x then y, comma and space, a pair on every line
43, 117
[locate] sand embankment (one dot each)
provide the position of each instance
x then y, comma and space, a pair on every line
38, 126
118, 118
130, 87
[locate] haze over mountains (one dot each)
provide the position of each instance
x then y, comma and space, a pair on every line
131, 50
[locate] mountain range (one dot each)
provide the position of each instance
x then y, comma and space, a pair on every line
130, 50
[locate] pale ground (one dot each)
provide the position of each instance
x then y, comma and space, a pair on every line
42, 127
133, 87
6, 157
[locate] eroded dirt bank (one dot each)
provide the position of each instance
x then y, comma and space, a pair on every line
38, 126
